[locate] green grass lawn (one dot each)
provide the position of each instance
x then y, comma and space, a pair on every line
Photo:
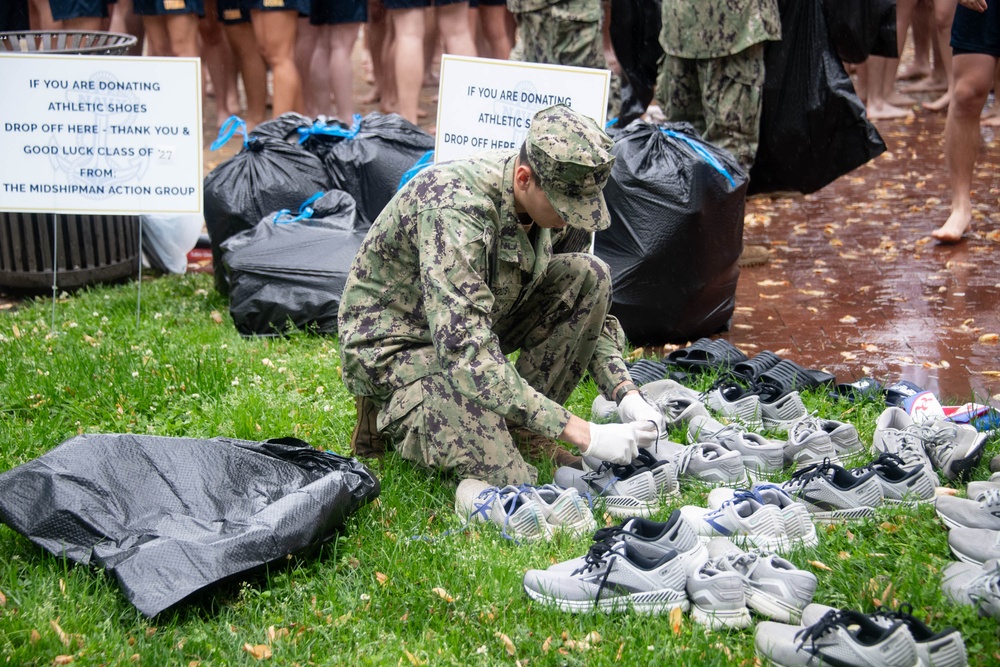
375, 595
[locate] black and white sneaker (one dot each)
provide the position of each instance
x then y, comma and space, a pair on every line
831, 493
901, 485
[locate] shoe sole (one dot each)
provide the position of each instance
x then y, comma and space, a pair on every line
653, 602
962, 469
624, 507
714, 619
965, 558
836, 516
773, 608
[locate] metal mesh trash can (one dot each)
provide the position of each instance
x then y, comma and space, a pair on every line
91, 248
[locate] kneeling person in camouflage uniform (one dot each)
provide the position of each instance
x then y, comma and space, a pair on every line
456, 273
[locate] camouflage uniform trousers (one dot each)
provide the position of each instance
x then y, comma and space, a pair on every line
556, 328
721, 97
548, 35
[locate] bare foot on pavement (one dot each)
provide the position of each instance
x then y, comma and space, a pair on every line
940, 104
954, 229
886, 111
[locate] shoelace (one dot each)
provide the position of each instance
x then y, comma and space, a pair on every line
884, 460
494, 494
814, 632
990, 498
739, 496
802, 477
596, 556
936, 436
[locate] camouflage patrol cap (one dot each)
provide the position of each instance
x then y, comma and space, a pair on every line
572, 158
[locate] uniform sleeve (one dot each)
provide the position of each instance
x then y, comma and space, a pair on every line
458, 303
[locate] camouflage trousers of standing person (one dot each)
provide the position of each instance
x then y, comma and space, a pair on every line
721, 97
556, 328
559, 36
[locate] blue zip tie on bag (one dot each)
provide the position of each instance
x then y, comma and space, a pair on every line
700, 150
320, 128
608, 125
425, 161
305, 211
232, 125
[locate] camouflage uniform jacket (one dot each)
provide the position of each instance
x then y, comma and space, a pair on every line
569, 10
444, 261
716, 28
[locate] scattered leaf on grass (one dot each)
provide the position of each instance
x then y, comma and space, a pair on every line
888, 527
258, 651
676, 620
384, 578
990, 338
594, 637
135, 657
62, 660
16, 331
508, 644
276, 633
62, 587
63, 637
820, 565
34, 636
414, 660
621, 649
547, 644
843, 555
443, 594
850, 536
3, 599
216, 316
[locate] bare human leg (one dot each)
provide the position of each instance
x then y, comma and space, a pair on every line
341, 39
252, 68
275, 32
408, 29
973, 77
944, 13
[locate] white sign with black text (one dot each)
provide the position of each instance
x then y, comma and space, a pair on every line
487, 104
100, 134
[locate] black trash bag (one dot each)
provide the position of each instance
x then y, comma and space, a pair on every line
325, 133
171, 516
369, 165
860, 28
267, 175
635, 36
292, 274
813, 127
285, 127
676, 233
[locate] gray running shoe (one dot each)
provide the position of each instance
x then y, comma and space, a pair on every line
651, 539
901, 485
638, 495
838, 638
974, 585
974, 545
781, 412
797, 519
831, 493
758, 453
935, 649
967, 513
954, 449
774, 586
719, 598
976, 489
895, 434
704, 461
613, 578
843, 435
603, 410
515, 509
745, 518
808, 443
677, 403
564, 510
734, 402
664, 472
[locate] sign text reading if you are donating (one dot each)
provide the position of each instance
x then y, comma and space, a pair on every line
99, 134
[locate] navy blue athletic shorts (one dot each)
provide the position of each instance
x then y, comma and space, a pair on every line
414, 4
78, 9
14, 16
300, 6
334, 12
167, 7
231, 12
488, 3
975, 32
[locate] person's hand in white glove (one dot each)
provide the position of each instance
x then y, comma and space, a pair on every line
635, 408
617, 443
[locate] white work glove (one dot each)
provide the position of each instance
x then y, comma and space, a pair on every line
617, 443
635, 408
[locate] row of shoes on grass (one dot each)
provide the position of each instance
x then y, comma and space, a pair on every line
655, 567
826, 635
